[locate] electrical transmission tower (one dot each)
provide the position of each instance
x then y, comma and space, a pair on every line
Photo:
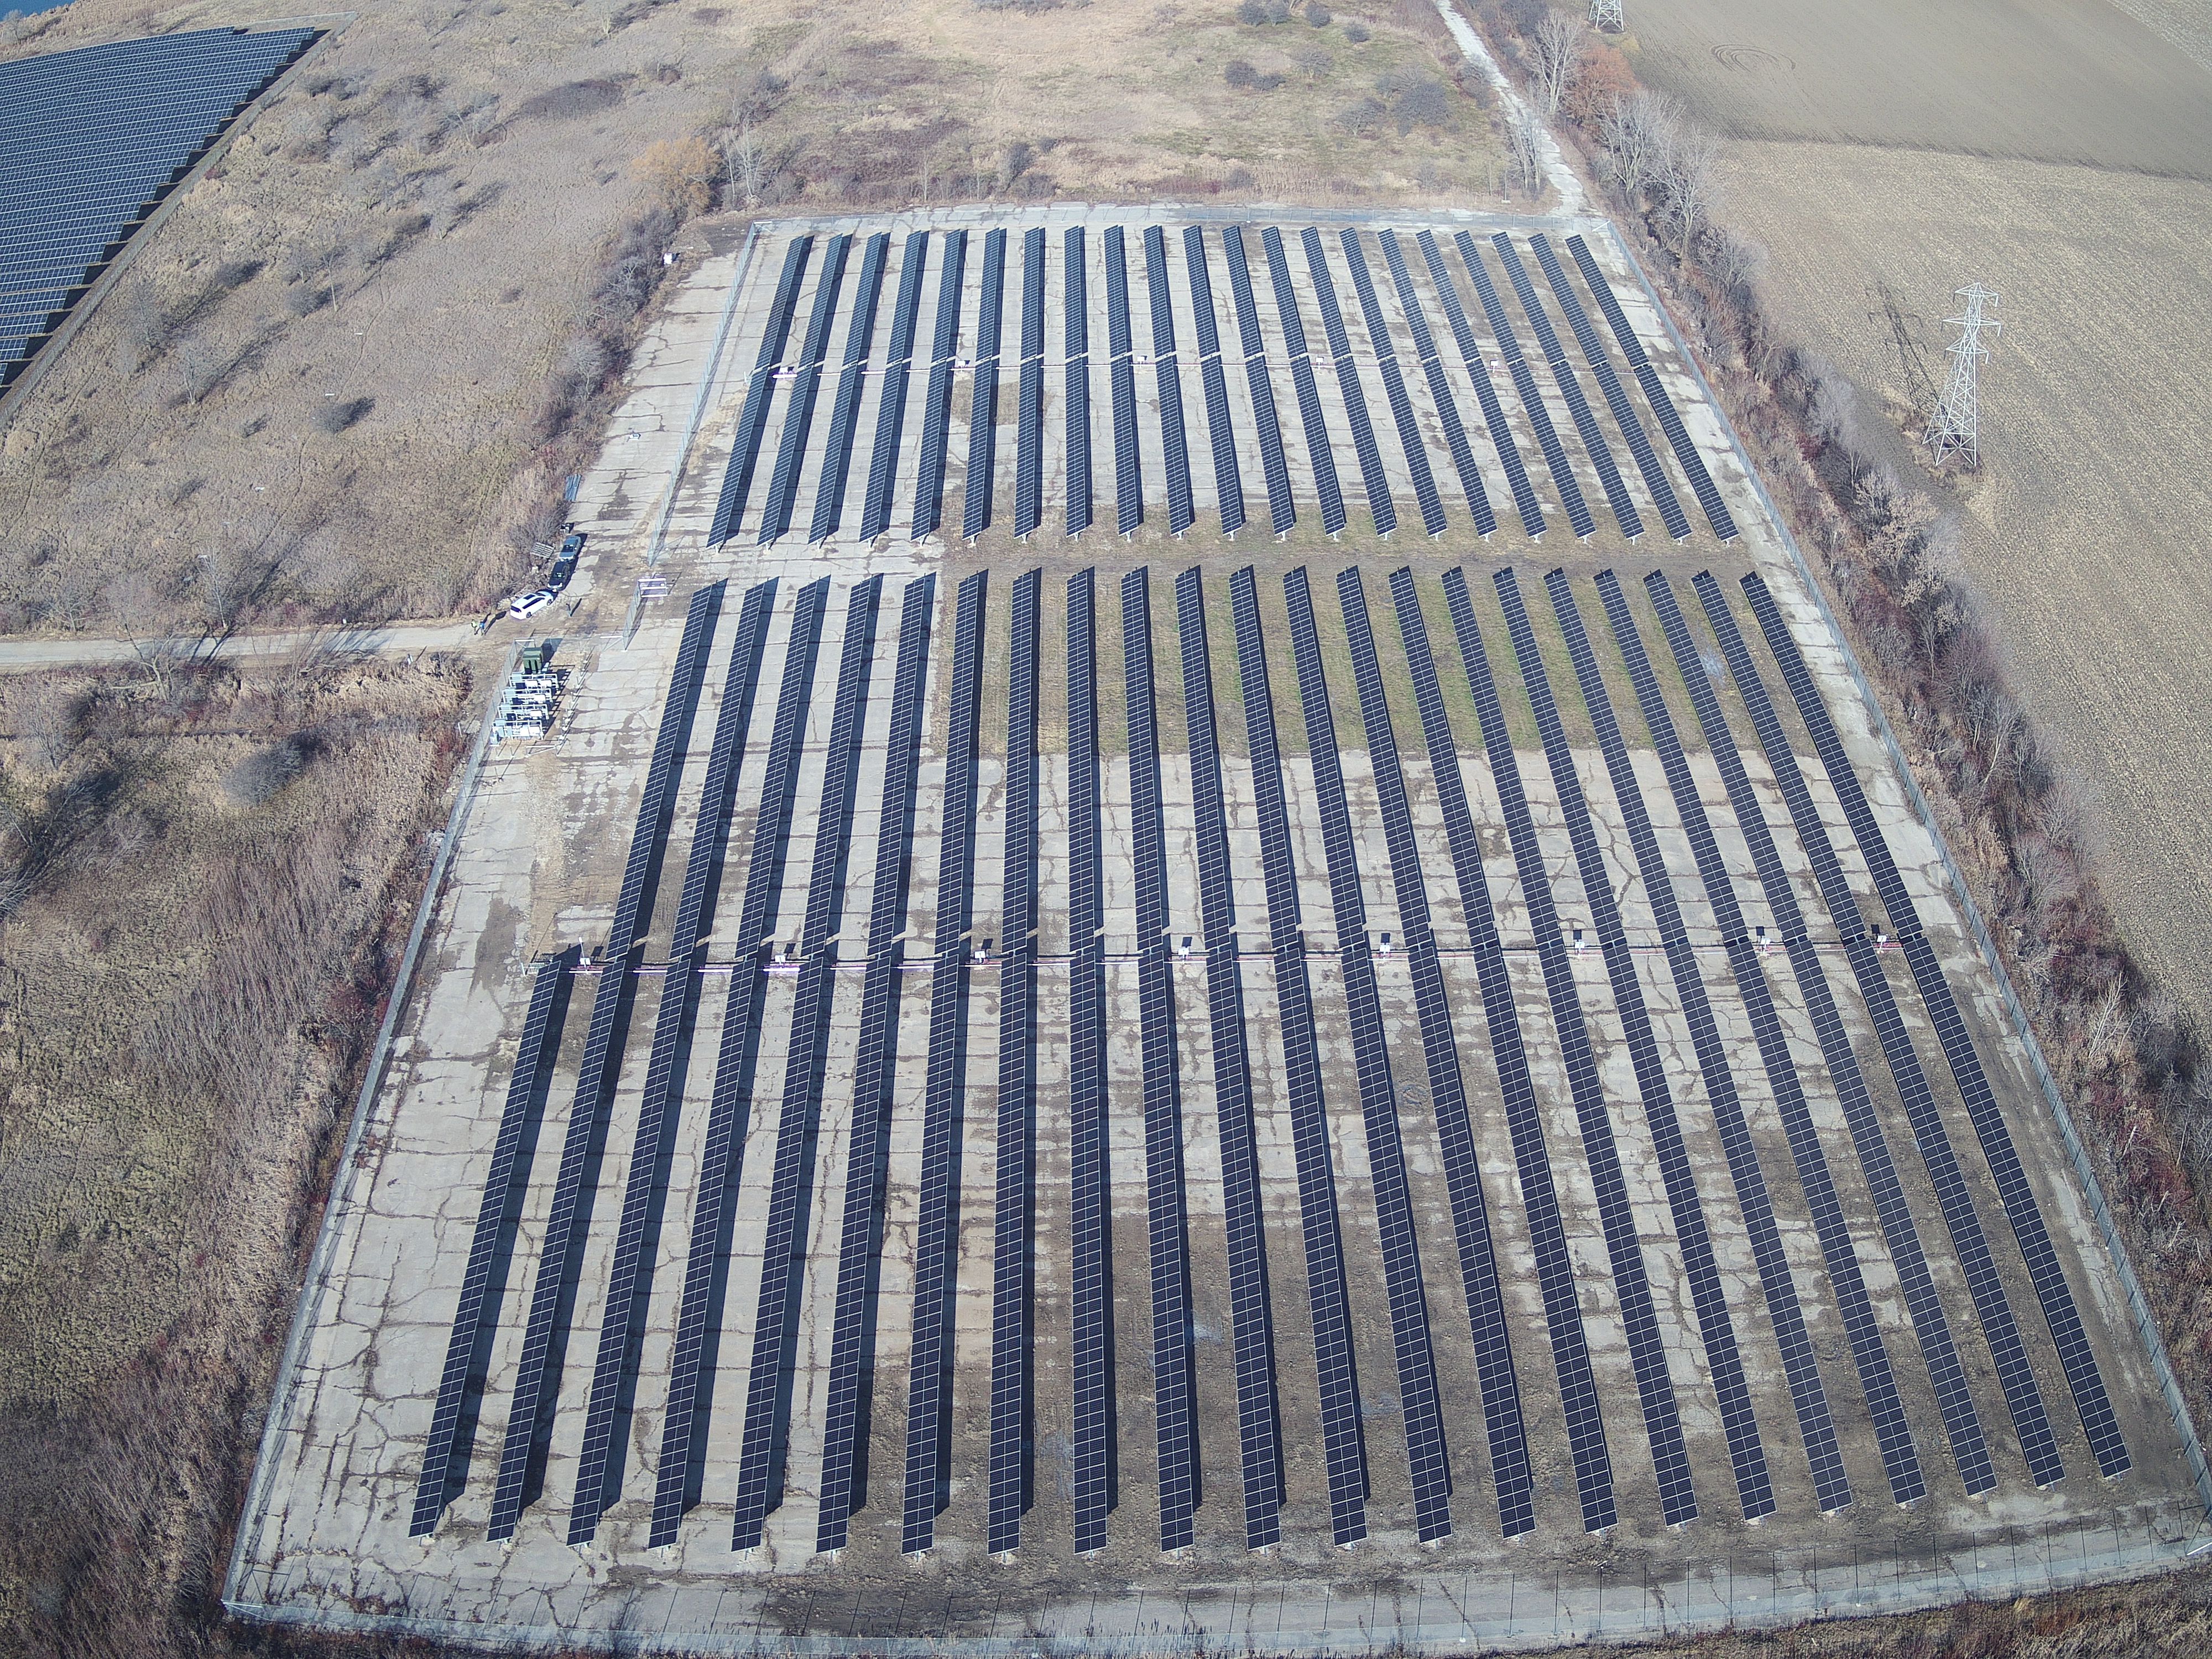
1954, 428
1605, 16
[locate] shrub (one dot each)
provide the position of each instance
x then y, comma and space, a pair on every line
1359, 118
681, 172
1313, 63
306, 299
1423, 104
337, 414
1240, 74
1318, 14
1357, 33
263, 774
1258, 12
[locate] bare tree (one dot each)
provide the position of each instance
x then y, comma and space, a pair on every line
1637, 129
1687, 172
1556, 58
1527, 166
746, 162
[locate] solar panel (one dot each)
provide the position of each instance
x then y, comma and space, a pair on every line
806, 387
1524, 382
762, 1448
1663, 1425
1716, 1330
1939, 1352
760, 392
929, 1370
92, 140
1090, 1202
845, 412
1028, 440
1282, 513
890, 402
499, 1215
1075, 327
1425, 1454
1343, 1449
1493, 412
1493, 1346
1440, 392
2044, 1273
1321, 453
1410, 440
1877, 1382
1228, 485
698, 1320
1616, 396
1168, 375
1379, 507
1555, 1272
629, 1285
568, 1222
1175, 1410
1562, 375
845, 1426
1012, 1267
937, 409
1251, 1324
1670, 418
983, 406
1121, 370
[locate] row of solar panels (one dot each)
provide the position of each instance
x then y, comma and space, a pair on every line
1235, 431
1394, 1100
91, 140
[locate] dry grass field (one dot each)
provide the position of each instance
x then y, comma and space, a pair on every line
2059, 156
334, 383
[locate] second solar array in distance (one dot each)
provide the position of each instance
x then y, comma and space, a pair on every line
1320, 454
752, 419
1228, 485
1532, 400
1440, 391
1493, 412
1343, 1450
936, 402
805, 388
1075, 335
891, 401
1410, 442
1122, 372
852, 379
1029, 432
1282, 512
983, 405
1379, 506
1168, 378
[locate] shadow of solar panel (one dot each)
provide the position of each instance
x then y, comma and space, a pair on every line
1175, 1408
1012, 1268
983, 406
1647, 1357
568, 1222
937, 1226
1343, 1448
1394, 386
698, 1320
1376, 483
1440, 392
1936, 1344
1121, 371
844, 414
760, 392
1662, 406
1555, 1273
1168, 375
92, 140
844, 1425
1251, 1320
1029, 439
1877, 1381
1075, 330
2044, 1273
1524, 382
1493, 1350
1493, 412
890, 402
1425, 1453
1321, 453
622, 1329
937, 408
1282, 513
762, 1448
1616, 396
1090, 1245
806, 387
499, 1215
1716, 1330
1227, 483
1563, 375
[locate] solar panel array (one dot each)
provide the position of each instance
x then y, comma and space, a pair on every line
1075, 324
1122, 372
91, 140
1028, 435
1011, 1265
2018, 1197
1321, 453
1372, 476
1251, 1318
1168, 375
783, 1238
937, 404
852, 379
983, 410
1410, 440
1282, 511
805, 388
1485, 392
1524, 382
760, 392
1344, 1029
929, 1366
1220, 425
1440, 391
